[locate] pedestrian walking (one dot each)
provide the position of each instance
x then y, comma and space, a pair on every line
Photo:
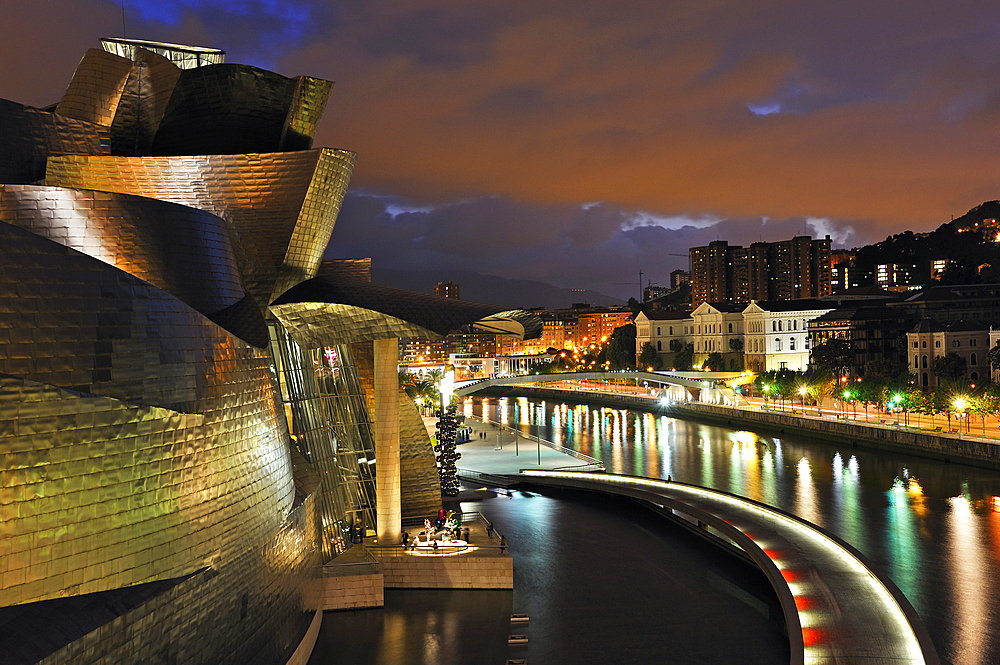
503, 544
489, 529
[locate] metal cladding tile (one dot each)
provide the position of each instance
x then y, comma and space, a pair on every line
96, 89
30, 135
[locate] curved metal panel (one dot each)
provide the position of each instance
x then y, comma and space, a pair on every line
280, 207
144, 101
96, 89
28, 136
184, 251
230, 109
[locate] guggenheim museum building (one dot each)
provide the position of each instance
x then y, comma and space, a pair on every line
196, 409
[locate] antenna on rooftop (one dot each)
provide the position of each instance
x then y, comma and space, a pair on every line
124, 36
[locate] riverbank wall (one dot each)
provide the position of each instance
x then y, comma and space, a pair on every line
945, 447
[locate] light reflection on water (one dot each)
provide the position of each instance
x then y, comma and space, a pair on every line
932, 527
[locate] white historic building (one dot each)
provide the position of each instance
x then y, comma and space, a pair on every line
777, 333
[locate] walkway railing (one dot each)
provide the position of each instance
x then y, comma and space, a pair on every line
593, 462
368, 566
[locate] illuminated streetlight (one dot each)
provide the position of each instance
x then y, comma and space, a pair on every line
802, 398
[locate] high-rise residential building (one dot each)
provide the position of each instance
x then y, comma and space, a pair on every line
786, 270
678, 277
446, 290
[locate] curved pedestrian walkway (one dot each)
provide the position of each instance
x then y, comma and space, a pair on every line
837, 609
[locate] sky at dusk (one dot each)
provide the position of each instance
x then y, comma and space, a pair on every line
579, 142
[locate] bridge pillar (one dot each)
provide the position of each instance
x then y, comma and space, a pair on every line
387, 485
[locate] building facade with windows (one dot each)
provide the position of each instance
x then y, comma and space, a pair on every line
777, 333
718, 328
931, 339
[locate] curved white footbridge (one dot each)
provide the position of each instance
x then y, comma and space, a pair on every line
837, 609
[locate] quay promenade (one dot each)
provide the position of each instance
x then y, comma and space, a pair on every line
835, 606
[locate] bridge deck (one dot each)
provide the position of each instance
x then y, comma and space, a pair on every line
836, 608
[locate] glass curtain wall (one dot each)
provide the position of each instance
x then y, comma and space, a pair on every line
328, 418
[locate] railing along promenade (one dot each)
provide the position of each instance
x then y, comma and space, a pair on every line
589, 463
933, 439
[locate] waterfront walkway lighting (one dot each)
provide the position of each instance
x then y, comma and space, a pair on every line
802, 398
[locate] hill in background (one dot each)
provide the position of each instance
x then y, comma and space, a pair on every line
512, 293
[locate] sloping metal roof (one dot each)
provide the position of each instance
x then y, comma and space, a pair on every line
329, 310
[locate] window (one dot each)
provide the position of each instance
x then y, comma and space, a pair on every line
777, 344
806, 345
659, 345
774, 326
671, 330
795, 324
972, 360
791, 343
974, 376
657, 331
937, 344
916, 362
730, 327
784, 365
924, 378
972, 342
925, 366
956, 343
924, 343
915, 344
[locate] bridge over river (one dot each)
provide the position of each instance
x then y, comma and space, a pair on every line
692, 381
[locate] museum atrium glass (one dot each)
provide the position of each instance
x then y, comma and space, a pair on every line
180, 453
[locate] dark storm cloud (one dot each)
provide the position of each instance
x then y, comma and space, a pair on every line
594, 246
497, 123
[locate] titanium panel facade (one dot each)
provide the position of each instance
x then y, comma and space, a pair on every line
143, 420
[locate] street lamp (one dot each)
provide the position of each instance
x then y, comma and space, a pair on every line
847, 398
802, 398
960, 405
900, 401
766, 389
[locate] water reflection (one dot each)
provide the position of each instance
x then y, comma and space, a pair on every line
931, 526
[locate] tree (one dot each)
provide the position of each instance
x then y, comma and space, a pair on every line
736, 346
950, 368
621, 347
994, 356
684, 357
635, 306
834, 355
676, 346
648, 357
715, 362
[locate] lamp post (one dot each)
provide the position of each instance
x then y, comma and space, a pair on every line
960, 405
802, 398
766, 389
847, 397
900, 402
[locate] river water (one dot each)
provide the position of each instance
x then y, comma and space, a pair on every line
933, 527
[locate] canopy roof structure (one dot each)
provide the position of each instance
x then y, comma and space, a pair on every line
335, 310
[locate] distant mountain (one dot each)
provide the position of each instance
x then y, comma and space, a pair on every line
512, 293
